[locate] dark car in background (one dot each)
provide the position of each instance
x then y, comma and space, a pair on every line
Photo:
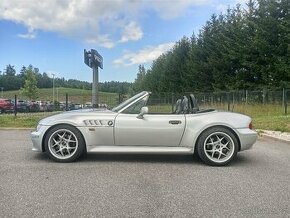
22, 106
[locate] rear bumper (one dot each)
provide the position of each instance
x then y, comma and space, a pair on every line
248, 137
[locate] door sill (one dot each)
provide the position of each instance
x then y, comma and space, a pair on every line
140, 149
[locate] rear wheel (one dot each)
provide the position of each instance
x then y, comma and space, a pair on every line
217, 146
64, 143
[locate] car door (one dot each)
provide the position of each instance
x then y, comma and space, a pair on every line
151, 130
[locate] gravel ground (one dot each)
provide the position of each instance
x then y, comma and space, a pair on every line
256, 184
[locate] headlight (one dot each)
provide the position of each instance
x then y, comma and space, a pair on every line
38, 127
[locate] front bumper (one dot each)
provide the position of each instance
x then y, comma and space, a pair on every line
37, 137
248, 137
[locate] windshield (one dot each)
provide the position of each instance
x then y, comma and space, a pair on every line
128, 101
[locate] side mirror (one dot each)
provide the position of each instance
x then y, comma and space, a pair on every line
144, 110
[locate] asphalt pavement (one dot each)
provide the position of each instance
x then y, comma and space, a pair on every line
256, 184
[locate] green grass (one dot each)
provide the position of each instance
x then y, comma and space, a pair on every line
276, 123
80, 96
23, 120
268, 117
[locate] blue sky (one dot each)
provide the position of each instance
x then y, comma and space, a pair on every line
51, 34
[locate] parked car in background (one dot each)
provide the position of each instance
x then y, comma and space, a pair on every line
101, 105
33, 106
22, 106
78, 106
42, 105
88, 105
6, 105
62, 106
49, 106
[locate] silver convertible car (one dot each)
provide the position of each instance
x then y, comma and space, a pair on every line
215, 136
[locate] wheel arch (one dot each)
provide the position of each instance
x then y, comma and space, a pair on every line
59, 124
223, 126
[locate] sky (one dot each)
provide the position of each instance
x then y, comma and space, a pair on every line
52, 34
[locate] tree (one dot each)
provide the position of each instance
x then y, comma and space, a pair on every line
9, 71
244, 48
30, 85
139, 81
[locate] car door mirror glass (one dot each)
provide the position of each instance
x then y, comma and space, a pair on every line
144, 110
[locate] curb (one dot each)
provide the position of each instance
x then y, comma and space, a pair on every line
265, 135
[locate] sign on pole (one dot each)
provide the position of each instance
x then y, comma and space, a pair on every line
94, 60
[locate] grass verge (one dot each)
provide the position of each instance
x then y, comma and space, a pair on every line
23, 120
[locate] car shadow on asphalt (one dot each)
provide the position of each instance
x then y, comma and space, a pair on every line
142, 158
150, 158
41, 157
240, 160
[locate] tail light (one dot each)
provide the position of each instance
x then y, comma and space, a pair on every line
250, 125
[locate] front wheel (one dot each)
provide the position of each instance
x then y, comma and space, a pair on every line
217, 146
64, 143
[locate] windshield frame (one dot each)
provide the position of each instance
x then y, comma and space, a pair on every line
119, 108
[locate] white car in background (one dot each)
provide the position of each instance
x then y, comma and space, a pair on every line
215, 136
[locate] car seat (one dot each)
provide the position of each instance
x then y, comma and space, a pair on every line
185, 106
193, 103
178, 107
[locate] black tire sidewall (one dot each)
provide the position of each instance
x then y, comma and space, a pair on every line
81, 143
201, 141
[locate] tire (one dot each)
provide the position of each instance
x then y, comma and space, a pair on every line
64, 143
217, 146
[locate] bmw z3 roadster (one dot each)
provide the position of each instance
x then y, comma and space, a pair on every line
215, 136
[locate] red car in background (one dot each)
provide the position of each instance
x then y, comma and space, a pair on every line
6, 105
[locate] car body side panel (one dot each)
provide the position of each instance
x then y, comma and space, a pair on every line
197, 123
95, 136
97, 128
152, 130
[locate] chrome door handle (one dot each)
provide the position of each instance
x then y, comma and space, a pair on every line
175, 122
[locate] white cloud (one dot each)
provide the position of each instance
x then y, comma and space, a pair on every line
132, 31
143, 56
94, 21
31, 34
103, 40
